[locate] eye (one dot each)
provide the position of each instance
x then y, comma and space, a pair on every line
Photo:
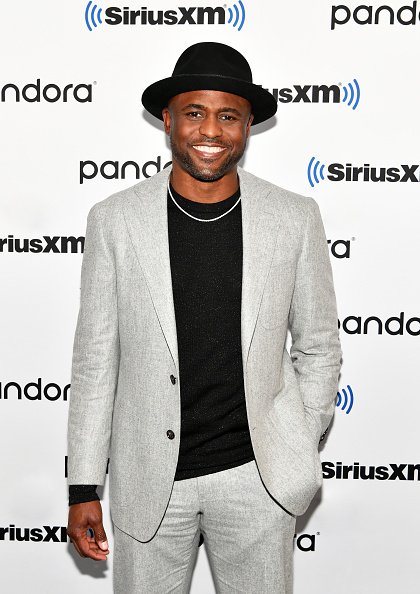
227, 117
193, 114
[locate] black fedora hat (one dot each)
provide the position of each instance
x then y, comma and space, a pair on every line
210, 66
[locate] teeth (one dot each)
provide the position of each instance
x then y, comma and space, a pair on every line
208, 149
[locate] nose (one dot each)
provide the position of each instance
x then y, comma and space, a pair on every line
210, 127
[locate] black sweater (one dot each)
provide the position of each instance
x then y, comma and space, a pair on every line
206, 269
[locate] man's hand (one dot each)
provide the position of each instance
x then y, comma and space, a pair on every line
83, 516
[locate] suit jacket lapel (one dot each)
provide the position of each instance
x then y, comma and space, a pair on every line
147, 221
145, 212
260, 222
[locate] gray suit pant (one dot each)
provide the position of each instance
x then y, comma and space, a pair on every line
247, 535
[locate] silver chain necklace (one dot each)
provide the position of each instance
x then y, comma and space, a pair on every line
195, 218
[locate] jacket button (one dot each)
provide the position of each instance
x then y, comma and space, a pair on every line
170, 434
173, 379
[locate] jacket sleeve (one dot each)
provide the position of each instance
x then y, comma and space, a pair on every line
95, 360
315, 348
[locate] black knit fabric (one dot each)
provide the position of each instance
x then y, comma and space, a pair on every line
82, 493
206, 269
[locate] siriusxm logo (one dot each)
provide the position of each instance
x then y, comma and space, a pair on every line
345, 399
337, 172
345, 94
357, 471
44, 534
46, 245
181, 15
369, 15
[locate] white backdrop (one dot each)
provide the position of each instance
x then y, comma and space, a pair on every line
363, 538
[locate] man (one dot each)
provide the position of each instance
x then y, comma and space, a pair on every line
190, 281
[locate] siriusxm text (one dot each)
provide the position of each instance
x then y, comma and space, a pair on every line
368, 173
182, 15
357, 471
43, 534
46, 245
307, 94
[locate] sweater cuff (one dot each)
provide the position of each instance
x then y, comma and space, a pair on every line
82, 494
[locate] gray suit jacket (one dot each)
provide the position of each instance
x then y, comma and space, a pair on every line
123, 399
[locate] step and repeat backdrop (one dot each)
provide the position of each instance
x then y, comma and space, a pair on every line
73, 131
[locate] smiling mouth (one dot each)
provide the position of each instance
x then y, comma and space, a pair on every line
208, 149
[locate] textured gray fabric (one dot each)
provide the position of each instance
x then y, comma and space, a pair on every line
123, 401
248, 539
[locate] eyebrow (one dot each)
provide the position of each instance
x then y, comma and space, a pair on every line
222, 110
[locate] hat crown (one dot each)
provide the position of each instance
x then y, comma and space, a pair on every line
211, 58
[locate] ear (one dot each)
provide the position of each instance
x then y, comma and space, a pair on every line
166, 114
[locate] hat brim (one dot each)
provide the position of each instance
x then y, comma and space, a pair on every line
157, 95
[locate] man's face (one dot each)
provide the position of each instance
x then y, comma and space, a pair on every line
208, 131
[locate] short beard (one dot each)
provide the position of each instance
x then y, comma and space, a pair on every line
202, 174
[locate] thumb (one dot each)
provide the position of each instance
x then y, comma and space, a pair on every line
103, 545
100, 536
